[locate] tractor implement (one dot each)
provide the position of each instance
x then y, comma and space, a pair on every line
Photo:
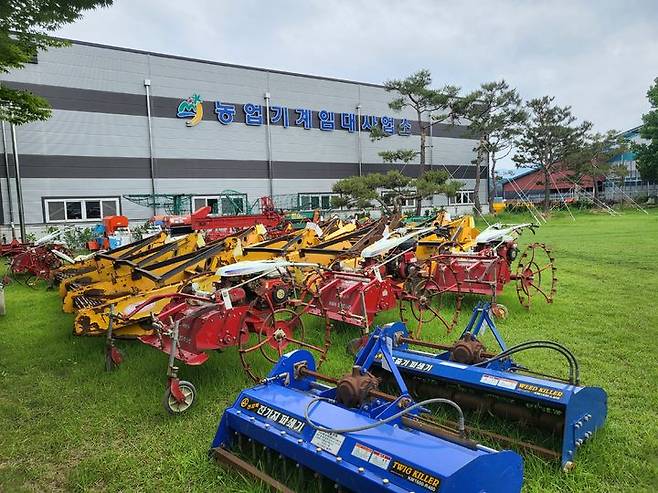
350, 436
248, 310
488, 268
74, 286
353, 291
95, 319
281, 246
144, 279
452, 235
345, 246
92, 263
559, 414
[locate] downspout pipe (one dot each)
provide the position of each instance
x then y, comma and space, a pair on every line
358, 138
9, 198
147, 86
270, 177
19, 190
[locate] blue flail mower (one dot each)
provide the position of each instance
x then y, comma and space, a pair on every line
556, 410
349, 433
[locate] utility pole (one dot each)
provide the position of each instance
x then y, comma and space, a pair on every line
270, 177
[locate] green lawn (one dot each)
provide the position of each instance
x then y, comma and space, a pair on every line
67, 425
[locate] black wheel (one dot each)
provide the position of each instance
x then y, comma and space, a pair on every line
172, 406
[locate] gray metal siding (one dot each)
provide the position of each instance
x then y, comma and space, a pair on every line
99, 130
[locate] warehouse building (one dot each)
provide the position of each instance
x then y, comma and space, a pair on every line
129, 122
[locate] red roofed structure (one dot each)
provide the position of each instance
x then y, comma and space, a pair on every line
563, 184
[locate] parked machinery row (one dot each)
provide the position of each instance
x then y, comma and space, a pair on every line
261, 294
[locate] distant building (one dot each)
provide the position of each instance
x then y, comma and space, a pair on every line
563, 185
632, 184
127, 124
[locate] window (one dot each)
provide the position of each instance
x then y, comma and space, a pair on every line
230, 205
212, 202
312, 201
462, 197
71, 210
388, 199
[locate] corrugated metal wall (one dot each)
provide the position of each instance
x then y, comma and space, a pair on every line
96, 143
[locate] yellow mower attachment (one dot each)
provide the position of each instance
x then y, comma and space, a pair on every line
144, 279
111, 271
92, 262
283, 245
94, 321
461, 237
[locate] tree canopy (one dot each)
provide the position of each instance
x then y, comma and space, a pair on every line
594, 158
436, 105
390, 189
548, 139
23, 28
495, 114
647, 153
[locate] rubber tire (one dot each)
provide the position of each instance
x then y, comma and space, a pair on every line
167, 398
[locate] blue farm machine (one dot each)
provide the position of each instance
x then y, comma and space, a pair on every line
351, 436
372, 429
556, 415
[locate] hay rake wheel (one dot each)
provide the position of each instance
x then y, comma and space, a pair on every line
426, 301
535, 274
276, 332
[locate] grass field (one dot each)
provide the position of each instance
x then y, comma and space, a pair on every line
66, 425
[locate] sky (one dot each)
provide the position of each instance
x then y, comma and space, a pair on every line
597, 56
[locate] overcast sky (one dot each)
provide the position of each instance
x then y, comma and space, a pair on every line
598, 56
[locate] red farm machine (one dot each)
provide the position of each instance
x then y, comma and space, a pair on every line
488, 268
250, 309
38, 261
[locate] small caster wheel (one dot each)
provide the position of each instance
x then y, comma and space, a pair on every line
113, 359
175, 406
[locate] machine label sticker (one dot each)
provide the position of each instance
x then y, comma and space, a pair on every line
415, 476
362, 452
380, 460
499, 382
331, 442
541, 391
372, 456
267, 412
507, 384
226, 298
412, 365
389, 346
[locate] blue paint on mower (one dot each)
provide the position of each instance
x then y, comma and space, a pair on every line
496, 384
357, 436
